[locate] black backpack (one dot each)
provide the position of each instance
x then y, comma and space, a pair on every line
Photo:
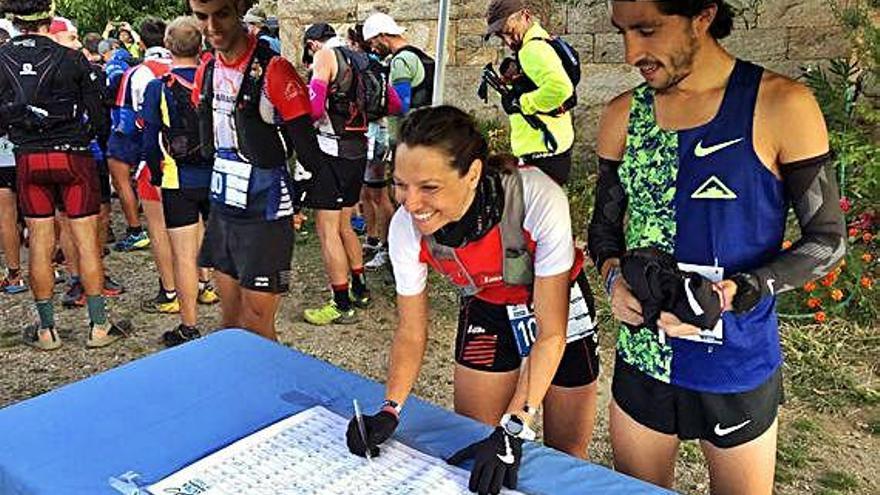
361, 89
181, 137
423, 94
571, 62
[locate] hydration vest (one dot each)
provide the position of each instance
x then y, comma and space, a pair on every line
261, 144
124, 116
571, 62
498, 267
359, 94
44, 104
180, 136
423, 94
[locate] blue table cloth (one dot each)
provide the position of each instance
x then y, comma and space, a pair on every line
158, 414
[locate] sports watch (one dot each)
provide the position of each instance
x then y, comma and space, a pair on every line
390, 404
515, 426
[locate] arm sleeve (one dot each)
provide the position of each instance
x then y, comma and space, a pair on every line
541, 64
605, 237
404, 95
318, 98
811, 187
152, 115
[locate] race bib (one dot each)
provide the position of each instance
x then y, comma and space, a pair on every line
229, 182
714, 336
525, 326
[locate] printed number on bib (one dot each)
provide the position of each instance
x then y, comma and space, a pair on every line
715, 274
229, 182
525, 326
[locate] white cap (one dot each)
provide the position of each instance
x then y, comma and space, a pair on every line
380, 23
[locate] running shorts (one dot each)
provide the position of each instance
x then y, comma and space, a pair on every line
184, 207
724, 420
485, 342
126, 149
336, 184
58, 180
558, 167
7, 178
257, 254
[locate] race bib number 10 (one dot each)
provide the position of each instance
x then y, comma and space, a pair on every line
525, 327
229, 182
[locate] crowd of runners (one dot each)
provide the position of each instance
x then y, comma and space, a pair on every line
216, 147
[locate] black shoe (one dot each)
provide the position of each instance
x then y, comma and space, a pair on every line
180, 335
75, 297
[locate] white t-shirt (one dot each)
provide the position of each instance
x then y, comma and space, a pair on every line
547, 220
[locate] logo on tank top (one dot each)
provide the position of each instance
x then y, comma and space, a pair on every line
702, 152
713, 188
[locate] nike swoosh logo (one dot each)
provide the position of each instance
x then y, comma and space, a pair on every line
702, 152
723, 432
507, 458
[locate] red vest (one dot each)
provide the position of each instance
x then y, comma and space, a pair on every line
478, 268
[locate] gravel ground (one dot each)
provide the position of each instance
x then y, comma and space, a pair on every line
363, 348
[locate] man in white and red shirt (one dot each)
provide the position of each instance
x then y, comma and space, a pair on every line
254, 110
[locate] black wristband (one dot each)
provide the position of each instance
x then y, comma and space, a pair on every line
748, 294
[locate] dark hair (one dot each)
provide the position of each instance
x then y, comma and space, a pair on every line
4, 36
152, 32
721, 25
451, 131
356, 37
91, 41
27, 7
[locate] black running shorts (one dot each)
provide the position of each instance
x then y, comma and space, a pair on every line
184, 207
336, 184
724, 420
257, 254
485, 342
7, 178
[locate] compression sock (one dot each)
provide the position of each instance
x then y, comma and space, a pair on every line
97, 309
358, 281
46, 312
340, 297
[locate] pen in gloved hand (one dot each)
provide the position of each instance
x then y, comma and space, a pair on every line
361, 428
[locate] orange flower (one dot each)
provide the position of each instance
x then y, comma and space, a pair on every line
867, 258
853, 232
814, 302
786, 244
820, 316
837, 294
867, 282
867, 237
828, 280
810, 286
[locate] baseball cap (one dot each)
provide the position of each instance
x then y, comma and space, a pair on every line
380, 23
318, 31
61, 25
498, 12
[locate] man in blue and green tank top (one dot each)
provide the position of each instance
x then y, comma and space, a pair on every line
703, 161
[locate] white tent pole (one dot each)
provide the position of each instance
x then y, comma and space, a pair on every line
440, 67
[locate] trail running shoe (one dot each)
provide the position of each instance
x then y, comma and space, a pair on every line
14, 285
329, 314
361, 301
75, 297
208, 295
49, 342
111, 333
161, 304
112, 288
180, 335
378, 261
370, 248
133, 242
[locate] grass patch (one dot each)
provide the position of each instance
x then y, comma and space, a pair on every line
874, 426
838, 481
794, 450
826, 366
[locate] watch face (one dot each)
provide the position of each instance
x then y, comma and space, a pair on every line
513, 426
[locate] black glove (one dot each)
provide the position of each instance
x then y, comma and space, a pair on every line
655, 280
379, 428
510, 103
496, 462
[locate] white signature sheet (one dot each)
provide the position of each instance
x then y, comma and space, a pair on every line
306, 454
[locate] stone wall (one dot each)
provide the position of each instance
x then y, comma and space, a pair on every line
779, 34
